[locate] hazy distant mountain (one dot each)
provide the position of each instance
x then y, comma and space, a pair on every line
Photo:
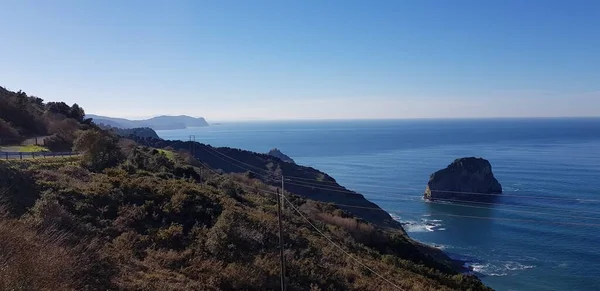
156, 123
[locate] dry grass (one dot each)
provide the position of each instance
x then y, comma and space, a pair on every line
31, 260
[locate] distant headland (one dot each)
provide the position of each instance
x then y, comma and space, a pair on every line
163, 122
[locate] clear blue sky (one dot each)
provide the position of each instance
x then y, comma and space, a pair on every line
289, 59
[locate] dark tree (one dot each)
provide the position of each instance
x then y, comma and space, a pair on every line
77, 113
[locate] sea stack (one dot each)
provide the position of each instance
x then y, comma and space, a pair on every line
466, 179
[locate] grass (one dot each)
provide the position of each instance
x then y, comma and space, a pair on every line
169, 154
42, 161
25, 149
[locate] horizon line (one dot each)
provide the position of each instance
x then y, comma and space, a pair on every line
257, 119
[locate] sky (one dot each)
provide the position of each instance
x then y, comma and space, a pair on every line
305, 59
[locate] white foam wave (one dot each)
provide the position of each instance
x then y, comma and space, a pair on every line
395, 217
423, 225
514, 266
497, 269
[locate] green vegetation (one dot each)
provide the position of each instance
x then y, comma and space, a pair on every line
150, 224
29, 149
98, 148
169, 154
23, 116
123, 216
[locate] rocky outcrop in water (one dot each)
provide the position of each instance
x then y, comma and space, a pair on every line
465, 179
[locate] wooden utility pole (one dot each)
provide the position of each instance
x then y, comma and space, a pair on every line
282, 193
282, 266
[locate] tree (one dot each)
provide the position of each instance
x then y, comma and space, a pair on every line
99, 149
59, 108
77, 112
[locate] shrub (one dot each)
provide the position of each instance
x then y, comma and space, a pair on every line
99, 150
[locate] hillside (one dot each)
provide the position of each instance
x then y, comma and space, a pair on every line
278, 154
156, 123
23, 117
151, 223
144, 214
322, 187
141, 132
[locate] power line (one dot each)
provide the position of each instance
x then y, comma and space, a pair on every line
233, 159
501, 209
454, 215
241, 167
472, 216
447, 214
343, 190
340, 248
462, 203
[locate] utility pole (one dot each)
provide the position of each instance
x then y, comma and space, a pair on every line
193, 146
282, 193
282, 266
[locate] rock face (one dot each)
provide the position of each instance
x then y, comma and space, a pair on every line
278, 154
462, 180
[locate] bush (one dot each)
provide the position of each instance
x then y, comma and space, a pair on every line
99, 150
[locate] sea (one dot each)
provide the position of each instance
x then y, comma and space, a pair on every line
543, 233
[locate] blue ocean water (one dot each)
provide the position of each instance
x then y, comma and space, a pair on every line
543, 234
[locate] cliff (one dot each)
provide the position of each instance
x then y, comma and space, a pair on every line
278, 154
304, 181
465, 179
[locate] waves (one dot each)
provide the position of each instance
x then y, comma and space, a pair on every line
422, 225
477, 266
497, 268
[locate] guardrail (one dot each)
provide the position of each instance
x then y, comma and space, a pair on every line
33, 155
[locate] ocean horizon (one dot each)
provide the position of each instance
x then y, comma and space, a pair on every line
541, 234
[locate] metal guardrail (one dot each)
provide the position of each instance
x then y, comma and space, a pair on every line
33, 155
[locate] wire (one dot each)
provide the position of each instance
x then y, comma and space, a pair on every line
474, 217
499, 209
339, 247
251, 166
455, 215
396, 188
343, 190
241, 167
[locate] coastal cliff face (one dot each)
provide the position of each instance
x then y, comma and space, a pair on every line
303, 181
465, 179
